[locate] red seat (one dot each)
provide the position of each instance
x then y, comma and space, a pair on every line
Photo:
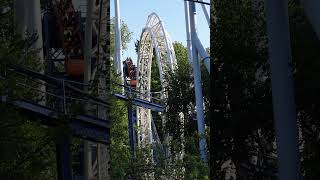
75, 67
133, 83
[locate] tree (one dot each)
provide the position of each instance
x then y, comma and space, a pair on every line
126, 35
27, 149
242, 123
120, 155
180, 116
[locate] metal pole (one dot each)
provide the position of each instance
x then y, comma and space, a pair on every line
202, 52
64, 98
189, 45
28, 17
63, 156
34, 24
131, 130
87, 160
87, 76
205, 11
282, 89
312, 9
197, 84
20, 23
32, 21
98, 162
88, 43
118, 55
102, 150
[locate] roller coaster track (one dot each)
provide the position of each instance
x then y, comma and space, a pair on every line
85, 126
154, 38
76, 56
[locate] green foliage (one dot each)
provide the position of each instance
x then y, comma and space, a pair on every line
181, 99
27, 148
180, 93
156, 87
242, 101
120, 155
126, 35
180, 123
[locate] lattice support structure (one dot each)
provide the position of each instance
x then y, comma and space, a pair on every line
154, 36
99, 14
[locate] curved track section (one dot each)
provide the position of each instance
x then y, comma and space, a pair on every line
154, 37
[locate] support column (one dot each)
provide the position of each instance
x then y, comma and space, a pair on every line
103, 151
118, 55
188, 34
197, 84
19, 17
282, 89
87, 160
34, 24
28, 18
312, 9
205, 12
63, 154
87, 77
131, 130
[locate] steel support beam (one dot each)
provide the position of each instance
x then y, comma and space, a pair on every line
88, 43
19, 17
202, 52
28, 19
63, 155
205, 11
103, 151
312, 9
34, 25
197, 83
87, 152
131, 130
188, 34
282, 89
118, 55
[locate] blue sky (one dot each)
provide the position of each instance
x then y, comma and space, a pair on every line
135, 13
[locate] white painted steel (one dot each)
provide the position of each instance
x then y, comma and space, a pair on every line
154, 35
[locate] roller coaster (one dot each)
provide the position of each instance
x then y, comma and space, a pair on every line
72, 89
75, 54
155, 41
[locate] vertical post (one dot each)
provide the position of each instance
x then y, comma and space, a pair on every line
47, 18
311, 9
98, 161
186, 13
202, 52
282, 89
103, 150
197, 83
118, 39
131, 131
64, 97
88, 43
64, 158
34, 24
205, 11
28, 17
87, 160
87, 76
20, 23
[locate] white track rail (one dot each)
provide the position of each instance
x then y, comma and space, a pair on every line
154, 35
